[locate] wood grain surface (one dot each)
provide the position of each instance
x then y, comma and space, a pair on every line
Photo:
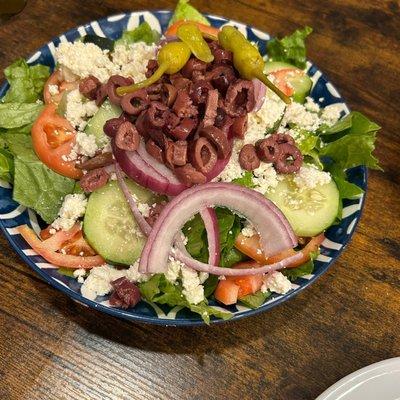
53, 348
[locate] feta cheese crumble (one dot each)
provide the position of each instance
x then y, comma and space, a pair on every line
298, 115
53, 90
78, 109
85, 145
72, 208
193, 290
98, 283
309, 177
276, 282
132, 60
84, 59
248, 230
80, 274
331, 114
265, 177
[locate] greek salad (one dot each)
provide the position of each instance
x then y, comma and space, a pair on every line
179, 167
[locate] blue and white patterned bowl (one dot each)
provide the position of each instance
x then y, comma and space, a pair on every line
12, 214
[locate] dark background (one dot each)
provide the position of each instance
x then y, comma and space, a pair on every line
53, 348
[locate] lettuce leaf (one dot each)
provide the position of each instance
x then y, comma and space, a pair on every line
255, 300
6, 165
245, 180
186, 11
229, 227
18, 115
143, 33
305, 269
26, 82
291, 48
159, 290
35, 185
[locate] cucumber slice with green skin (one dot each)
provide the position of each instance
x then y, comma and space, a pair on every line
109, 226
301, 83
102, 42
95, 124
309, 211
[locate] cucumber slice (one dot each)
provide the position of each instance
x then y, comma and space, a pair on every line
96, 123
109, 226
308, 211
102, 42
301, 84
62, 105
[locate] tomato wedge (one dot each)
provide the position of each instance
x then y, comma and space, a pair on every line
53, 138
57, 79
207, 31
58, 259
251, 247
232, 288
56, 241
281, 79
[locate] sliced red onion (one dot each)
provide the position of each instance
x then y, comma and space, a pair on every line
260, 91
109, 168
275, 231
210, 220
174, 185
212, 269
143, 225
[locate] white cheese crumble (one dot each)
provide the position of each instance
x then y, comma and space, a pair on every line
265, 177
265, 118
78, 109
53, 90
80, 274
276, 282
132, 60
72, 208
248, 230
331, 114
311, 105
84, 59
85, 145
193, 290
297, 114
309, 177
98, 283
144, 209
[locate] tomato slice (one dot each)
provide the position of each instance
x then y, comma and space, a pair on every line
78, 246
207, 31
232, 288
56, 241
281, 79
227, 292
53, 138
251, 247
57, 79
58, 259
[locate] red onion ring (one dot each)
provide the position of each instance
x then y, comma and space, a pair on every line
275, 231
211, 224
260, 91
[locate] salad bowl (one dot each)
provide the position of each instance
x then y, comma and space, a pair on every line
13, 215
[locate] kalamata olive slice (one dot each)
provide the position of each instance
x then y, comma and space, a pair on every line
248, 159
289, 160
218, 138
203, 155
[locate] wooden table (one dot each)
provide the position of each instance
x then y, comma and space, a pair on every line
52, 348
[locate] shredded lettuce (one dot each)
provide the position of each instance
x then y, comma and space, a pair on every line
159, 290
186, 11
35, 185
291, 48
143, 33
298, 272
26, 82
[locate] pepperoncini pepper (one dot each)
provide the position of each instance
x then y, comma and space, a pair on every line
191, 35
246, 58
171, 59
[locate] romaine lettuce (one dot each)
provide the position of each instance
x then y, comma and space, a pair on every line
143, 33
185, 11
291, 48
26, 82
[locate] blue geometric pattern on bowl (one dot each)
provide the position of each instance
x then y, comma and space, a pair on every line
12, 214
